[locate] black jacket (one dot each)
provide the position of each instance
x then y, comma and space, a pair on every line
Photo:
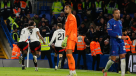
46, 33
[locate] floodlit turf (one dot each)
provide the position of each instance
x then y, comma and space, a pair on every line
17, 71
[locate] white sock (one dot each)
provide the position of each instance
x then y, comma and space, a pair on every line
72, 72
23, 65
35, 56
108, 65
36, 67
123, 66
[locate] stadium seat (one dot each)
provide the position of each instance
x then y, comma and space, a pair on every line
45, 7
131, 15
32, 15
56, 15
45, 10
47, 16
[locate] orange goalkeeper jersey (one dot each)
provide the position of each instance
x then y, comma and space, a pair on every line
71, 27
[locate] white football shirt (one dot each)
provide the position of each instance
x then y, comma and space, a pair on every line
59, 35
33, 34
24, 35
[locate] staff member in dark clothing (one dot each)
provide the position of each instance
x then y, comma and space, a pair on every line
44, 26
6, 8
45, 32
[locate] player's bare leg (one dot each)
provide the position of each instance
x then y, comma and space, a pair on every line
108, 65
55, 61
22, 59
123, 64
60, 59
71, 63
35, 54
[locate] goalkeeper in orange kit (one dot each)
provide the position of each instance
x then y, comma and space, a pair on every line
70, 38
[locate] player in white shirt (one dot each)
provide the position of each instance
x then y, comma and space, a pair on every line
35, 45
58, 35
23, 44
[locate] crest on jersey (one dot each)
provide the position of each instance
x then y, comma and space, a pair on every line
108, 25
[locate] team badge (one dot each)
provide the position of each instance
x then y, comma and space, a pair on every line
108, 25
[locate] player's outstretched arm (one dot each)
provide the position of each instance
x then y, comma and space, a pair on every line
53, 38
40, 37
122, 37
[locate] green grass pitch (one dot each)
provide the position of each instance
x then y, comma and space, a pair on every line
17, 71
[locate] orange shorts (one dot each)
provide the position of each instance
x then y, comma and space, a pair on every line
70, 45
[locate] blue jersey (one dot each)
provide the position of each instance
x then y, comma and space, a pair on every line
114, 29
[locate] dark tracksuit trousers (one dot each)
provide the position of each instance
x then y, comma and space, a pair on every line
83, 53
48, 55
96, 58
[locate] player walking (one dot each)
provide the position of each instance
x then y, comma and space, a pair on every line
70, 39
114, 27
35, 45
59, 35
23, 44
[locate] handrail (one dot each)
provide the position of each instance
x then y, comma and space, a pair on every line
7, 33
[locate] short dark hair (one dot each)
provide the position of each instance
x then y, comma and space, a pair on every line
26, 24
31, 23
59, 25
43, 16
114, 10
69, 6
